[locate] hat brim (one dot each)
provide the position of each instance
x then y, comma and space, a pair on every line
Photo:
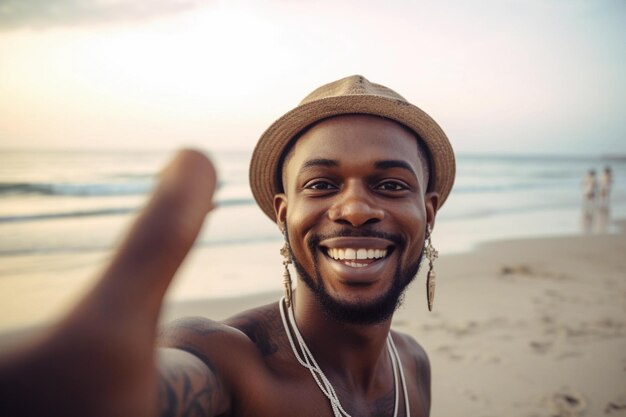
264, 180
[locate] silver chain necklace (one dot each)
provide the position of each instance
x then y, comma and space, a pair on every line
308, 361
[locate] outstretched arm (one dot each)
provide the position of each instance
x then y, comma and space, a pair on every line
100, 360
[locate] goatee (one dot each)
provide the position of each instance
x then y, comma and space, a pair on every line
366, 312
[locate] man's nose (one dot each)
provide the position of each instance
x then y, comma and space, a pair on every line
355, 206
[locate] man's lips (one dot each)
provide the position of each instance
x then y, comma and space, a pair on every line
356, 257
356, 252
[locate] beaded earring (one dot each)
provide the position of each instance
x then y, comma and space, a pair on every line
286, 253
432, 254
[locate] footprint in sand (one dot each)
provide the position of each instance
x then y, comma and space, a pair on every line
616, 407
515, 270
511, 271
566, 404
541, 347
450, 353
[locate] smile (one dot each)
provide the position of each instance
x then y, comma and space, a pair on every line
356, 257
357, 261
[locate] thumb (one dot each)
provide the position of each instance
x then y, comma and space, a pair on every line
135, 282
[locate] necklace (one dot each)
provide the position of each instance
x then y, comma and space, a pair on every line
308, 361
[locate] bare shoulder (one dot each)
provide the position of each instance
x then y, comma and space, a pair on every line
262, 326
194, 371
410, 349
190, 332
252, 332
246, 344
416, 365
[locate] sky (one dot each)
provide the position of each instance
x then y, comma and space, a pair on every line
499, 76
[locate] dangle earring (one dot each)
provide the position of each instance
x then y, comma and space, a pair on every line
431, 254
284, 251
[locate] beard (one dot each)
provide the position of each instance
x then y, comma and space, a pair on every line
361, 312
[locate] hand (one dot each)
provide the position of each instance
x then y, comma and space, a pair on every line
99, 360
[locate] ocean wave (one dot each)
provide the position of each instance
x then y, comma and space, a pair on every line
106, 212
77, 189
68, 214
91, 247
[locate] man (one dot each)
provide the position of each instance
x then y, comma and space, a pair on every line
353, 177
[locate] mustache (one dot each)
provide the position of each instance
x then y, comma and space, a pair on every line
314, 241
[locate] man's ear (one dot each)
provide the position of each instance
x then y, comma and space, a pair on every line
431, 201
280, 208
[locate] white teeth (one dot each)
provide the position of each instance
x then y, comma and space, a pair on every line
353, 254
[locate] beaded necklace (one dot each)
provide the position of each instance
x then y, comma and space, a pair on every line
308, 361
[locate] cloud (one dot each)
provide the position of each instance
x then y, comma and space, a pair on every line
43, 14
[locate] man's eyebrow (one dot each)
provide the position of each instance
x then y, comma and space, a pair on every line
394, 163
320, 162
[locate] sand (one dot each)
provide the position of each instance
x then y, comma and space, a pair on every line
527, 328
532, 327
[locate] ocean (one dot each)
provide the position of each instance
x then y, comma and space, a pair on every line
77, 201
74, 202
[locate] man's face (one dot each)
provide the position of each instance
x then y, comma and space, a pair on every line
356, 208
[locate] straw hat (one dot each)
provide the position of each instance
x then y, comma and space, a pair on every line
350, 95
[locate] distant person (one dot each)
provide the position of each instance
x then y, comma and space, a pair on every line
590, 188
603, 204
353, 178
604, 187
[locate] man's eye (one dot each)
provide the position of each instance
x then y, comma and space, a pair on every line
320, 185
391, 186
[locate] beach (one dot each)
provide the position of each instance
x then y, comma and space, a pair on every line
515, 111
529, 316
526, 327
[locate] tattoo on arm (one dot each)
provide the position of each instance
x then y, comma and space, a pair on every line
188, 386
